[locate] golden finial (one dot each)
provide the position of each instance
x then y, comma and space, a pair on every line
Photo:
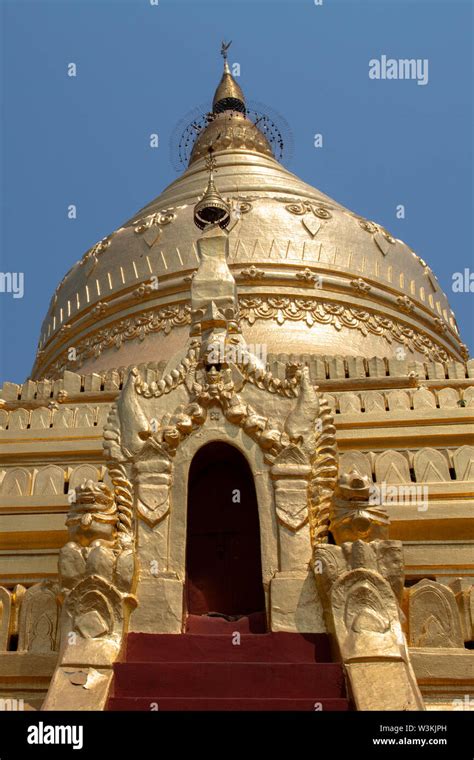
212, 208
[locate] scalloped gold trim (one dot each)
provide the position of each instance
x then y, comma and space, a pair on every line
252, 308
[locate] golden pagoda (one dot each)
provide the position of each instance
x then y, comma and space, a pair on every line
245, 451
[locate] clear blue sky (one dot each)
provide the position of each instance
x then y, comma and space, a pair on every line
142, 67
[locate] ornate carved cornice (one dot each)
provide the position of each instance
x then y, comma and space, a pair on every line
307, 309
312, 310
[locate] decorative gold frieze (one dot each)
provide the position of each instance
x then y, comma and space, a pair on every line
305, 309
161, 320
311, 310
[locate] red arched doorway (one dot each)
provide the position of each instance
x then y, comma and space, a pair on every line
223, 563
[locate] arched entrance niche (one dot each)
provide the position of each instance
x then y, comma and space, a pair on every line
223, 548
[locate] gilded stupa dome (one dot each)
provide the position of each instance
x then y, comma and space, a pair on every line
313, 277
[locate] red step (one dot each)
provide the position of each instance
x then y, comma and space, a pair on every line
165, 704
217, 670
268, 647
229, 679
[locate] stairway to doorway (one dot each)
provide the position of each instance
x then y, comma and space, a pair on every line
219, 665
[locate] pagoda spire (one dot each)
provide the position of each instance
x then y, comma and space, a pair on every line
228, 96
